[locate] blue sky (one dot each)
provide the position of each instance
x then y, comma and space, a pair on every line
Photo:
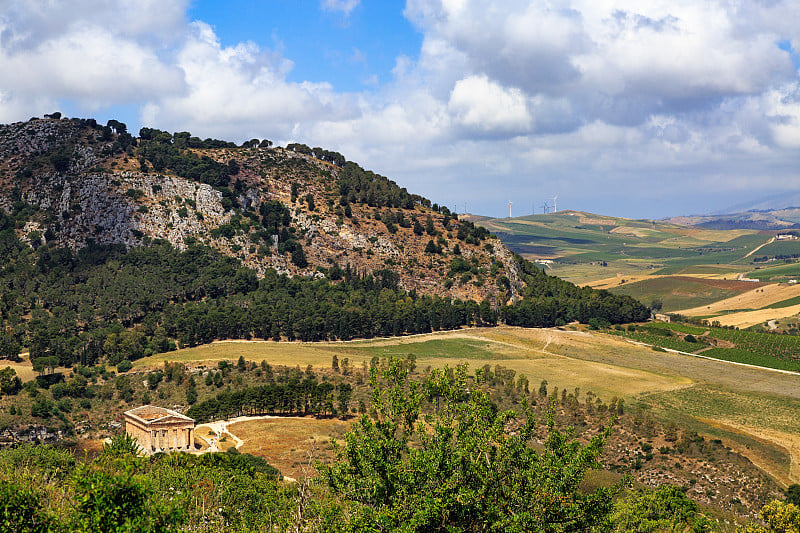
640, 108
354, 51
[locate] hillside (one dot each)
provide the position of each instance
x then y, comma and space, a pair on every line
576, 240
114, 247
266, 207
784, 218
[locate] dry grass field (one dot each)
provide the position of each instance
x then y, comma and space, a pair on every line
615, 281
24, 370
289, 443
754, 299
277, 353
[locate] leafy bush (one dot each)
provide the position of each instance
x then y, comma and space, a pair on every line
21, 509
465, 471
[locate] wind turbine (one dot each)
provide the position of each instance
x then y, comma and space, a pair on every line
509, 208
555, 209
544, 208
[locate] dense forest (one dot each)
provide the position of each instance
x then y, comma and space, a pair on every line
549, 300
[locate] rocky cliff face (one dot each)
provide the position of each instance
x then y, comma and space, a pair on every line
86, 187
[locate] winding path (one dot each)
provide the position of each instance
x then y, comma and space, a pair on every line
757, 248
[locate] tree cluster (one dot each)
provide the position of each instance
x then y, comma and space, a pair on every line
297, 396
357, 185
166, 151
548, 300
320, 153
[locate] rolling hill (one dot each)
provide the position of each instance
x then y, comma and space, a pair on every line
674, 267
113, 247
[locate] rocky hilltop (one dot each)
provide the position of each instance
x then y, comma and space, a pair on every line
297, 210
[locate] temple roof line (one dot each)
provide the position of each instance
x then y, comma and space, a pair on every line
150, 414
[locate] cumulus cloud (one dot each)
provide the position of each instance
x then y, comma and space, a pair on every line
239, 91
480, 104
95, 53
582, 97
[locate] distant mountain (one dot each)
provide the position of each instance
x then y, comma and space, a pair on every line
774, 202
776, 219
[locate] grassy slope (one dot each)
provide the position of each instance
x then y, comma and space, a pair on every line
778, 272
608, 366
678, 292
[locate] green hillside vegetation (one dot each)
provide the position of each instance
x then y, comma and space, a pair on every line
435, 454
778, 272
109, 304
112, 303
432, 449
664, 265
779, 249
758, 348
674, 293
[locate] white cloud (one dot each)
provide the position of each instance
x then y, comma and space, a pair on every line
480, 104
238, 91
345, 6
90, 66
783, 107
95, 53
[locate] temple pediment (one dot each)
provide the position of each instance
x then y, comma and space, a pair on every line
151, 414
168, 420
160, 430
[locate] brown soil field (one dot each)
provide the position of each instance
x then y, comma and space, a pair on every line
290, 444
715, 281
759, 296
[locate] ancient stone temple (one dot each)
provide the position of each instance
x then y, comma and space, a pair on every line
160, 430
